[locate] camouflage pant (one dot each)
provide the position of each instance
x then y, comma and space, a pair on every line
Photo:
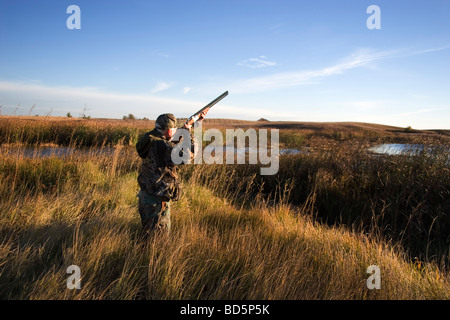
155, 213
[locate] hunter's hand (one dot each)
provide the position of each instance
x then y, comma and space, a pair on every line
202, 116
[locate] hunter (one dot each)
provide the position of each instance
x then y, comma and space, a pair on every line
158, 177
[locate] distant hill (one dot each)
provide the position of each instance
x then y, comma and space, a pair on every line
233, 123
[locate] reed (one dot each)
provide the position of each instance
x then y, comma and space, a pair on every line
81, 133
235, 235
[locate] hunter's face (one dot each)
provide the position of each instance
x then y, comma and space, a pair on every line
169, 133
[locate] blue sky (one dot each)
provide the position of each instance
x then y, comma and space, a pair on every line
281, 60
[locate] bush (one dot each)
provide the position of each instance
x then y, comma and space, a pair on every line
129, 117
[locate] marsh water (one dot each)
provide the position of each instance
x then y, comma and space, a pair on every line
399, 149
45, 152
394, 149
62, 152
412, 150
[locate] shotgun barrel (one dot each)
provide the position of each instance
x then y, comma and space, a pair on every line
206, 108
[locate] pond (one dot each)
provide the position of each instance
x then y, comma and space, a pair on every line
383, 149
63, 152
407, 149
255, 150
399, 149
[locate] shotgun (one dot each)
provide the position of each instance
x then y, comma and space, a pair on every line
205, 109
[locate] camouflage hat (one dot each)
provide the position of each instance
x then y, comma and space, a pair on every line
166, 121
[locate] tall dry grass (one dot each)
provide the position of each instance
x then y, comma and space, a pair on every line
84, 213
234, 235
71, 132
404, 199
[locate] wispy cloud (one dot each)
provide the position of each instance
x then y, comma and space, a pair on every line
275, 26
160, 86
361, 58
256, 63
365, 105
416, 52
420, 111
160, 53
186, 90
296, 78
102, 103
227, 111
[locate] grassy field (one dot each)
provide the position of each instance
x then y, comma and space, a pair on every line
310, 232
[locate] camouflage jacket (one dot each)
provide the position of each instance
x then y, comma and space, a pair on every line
158, 175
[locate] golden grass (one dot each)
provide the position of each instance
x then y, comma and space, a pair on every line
228, 240
216, 250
